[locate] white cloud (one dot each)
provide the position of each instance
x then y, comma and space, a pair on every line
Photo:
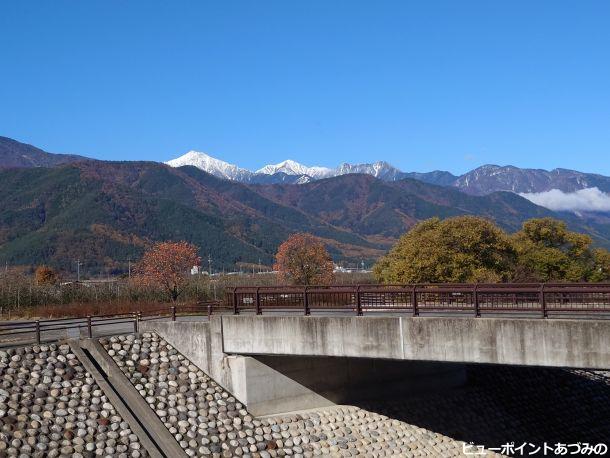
588, 199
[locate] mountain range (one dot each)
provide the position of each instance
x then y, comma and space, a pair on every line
482, 180
292, 172
56, 210
16, 154
479, 181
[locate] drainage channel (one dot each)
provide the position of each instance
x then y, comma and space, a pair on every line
153, 434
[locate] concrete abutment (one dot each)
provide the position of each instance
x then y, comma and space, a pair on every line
270, 384
276, 364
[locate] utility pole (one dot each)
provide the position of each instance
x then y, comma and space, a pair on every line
129, 268
209, 264
78, 263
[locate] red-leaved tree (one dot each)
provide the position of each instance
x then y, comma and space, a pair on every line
166, 265
46, 276
303, 260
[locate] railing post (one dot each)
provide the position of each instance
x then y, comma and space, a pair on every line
89, 327
135, 323
475, 294
209, 310
258, 302
414, 300
358, 301
543, 301
173, 307
38, 332
306, 301
235, 308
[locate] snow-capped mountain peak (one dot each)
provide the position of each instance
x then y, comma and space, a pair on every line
480, 181
379, 169
290, 167
211, 165
281, 171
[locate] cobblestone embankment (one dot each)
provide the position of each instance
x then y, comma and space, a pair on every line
50, 406
207, 420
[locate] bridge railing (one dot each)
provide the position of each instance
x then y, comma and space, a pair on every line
38, 331
539, 299
577, 300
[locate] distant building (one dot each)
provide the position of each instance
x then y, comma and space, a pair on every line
196, 270
338, 268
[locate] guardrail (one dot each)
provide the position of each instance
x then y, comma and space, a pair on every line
527, 299
37, 328
539, 299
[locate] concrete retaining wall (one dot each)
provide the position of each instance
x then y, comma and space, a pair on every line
324, 381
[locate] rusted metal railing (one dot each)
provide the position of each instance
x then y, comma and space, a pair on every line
574, 300
527, 299
40, 330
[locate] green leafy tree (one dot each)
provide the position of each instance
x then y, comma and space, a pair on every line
548, 251
601, 268
460, 249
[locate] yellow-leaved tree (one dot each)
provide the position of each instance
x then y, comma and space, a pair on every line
548, 251
473, 249
460, 249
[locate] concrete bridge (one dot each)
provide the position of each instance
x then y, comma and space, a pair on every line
282, 363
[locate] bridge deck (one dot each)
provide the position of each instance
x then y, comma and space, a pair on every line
533, 342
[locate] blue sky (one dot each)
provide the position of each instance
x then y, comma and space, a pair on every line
424, 85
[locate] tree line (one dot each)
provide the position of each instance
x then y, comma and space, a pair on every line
463, 249
473, 249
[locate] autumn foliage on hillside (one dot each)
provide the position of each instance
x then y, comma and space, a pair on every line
303, 260
166, 265
45, 275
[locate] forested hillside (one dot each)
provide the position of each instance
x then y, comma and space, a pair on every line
106, 213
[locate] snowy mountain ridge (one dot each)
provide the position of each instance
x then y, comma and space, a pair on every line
300, 172
557, 189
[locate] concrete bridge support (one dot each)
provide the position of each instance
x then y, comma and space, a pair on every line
269, 384
282, 363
